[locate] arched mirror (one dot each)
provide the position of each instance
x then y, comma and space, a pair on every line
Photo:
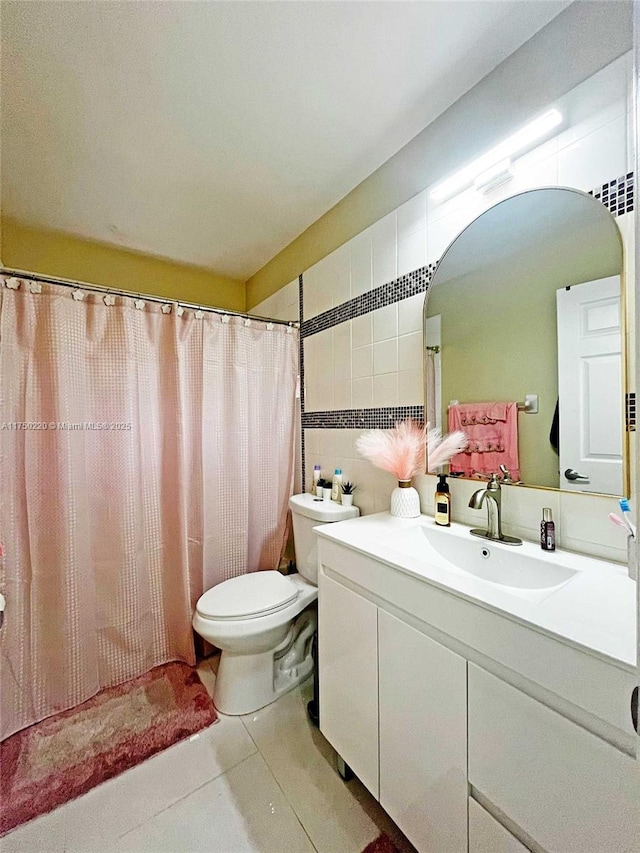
526, 307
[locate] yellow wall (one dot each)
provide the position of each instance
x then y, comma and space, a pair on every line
53, 253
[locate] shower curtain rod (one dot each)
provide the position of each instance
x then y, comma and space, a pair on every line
70, 282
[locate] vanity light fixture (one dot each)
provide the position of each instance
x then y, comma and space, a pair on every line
493, 177
517, 143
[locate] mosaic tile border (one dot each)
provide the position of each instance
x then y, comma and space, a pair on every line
616, 195
379, 418
394, 291
630, 413
301, 374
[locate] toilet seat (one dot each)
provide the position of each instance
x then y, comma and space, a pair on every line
247, 597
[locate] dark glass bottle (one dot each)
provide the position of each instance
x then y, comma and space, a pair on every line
547, 531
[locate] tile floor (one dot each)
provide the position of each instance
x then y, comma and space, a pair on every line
263, 783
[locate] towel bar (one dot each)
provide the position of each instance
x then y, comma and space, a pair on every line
529, 406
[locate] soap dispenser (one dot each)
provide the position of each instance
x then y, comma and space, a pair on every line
443, 502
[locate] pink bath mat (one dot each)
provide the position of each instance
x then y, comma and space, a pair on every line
53, 761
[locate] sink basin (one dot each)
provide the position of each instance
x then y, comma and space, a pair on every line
519, 570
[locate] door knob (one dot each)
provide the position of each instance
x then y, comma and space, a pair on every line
570, 474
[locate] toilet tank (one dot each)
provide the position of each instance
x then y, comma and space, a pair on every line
308, 512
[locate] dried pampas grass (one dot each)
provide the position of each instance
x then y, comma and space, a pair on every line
401, 450
441, 449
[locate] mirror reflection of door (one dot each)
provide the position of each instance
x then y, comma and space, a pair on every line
590, 386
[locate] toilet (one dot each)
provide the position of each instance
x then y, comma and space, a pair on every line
264, 622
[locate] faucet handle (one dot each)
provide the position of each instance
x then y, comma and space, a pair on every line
506, 474
494, 484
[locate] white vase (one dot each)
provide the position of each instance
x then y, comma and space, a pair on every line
405, 501
347, 500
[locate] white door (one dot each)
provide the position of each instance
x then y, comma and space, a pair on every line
590, 386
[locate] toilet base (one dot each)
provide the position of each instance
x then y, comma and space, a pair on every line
247, 682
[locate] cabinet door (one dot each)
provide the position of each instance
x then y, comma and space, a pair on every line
348, 683
565, 787
423, 737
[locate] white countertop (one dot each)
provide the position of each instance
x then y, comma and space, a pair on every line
595, 610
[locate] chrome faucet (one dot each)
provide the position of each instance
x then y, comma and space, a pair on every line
492, 496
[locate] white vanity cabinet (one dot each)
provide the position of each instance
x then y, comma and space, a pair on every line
476, 732
393, 703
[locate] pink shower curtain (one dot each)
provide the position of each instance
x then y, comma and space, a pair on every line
144, 457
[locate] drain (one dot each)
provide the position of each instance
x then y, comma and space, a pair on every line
485, 553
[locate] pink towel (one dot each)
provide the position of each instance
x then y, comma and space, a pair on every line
492, 430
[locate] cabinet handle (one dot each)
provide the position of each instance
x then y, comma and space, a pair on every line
634, 709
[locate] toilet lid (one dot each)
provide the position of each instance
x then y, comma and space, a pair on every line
255, 594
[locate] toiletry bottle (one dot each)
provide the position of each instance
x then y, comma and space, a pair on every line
547, 531
316, 477
336, 485
443, 502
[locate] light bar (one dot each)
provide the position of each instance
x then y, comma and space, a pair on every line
514, 144
493, 177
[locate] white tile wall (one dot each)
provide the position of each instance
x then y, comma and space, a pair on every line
362, 362
385, 250
362, 263
385, 323
385, 357
284, 304
362, 331
410, 387
335, 448
410, 314
317, 289
385, 390
365, 362
412, 234
362, 393
385, 363
594, 158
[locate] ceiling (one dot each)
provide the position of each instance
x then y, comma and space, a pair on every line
213, 133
